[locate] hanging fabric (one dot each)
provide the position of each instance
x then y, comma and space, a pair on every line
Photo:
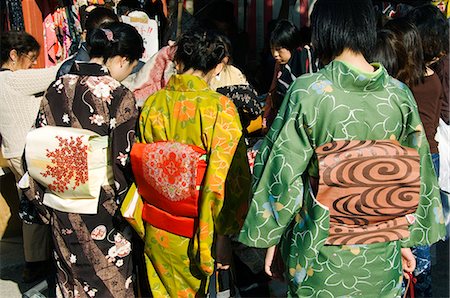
62, 32
15, 15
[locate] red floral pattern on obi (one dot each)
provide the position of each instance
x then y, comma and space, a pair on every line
171, 168
68, 163
169, 176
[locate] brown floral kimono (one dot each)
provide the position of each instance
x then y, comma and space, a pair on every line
92, 251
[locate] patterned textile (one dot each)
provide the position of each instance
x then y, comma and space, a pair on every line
153, 76
187, 111
339, 103
15, 15
246, 101
92, 252
169, 176
371, 189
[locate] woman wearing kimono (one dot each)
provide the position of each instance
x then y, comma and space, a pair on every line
181, 253
344, 182
93, 251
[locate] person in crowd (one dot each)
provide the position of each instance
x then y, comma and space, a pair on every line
250, 278
94, 19
291, 60
184, 123
344, 182
433, 28
400, 49
93, 251
21, 89
232, 83
126, 6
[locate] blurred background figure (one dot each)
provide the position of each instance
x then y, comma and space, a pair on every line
21, 90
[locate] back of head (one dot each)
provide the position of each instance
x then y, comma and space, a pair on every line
389, 51
200, 50
284, 35
98, 16
413, 70
116, 39
342, 24
433, 29
20, 41
125, 6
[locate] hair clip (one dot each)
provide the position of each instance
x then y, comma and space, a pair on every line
109, 34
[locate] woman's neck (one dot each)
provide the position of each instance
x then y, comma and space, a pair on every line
9, 65
355, 59
97, 60
198, 73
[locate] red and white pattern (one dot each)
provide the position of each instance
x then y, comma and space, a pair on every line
68, 163
171, 168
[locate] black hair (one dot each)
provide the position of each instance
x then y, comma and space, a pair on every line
412, 70
115, 39
433, 29
285, 35
200, 50
342, 24
20, 41
98, 16
125, 6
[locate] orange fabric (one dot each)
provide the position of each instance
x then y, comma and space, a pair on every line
371, 189
182, 226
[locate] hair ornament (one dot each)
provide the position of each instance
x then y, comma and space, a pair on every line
109, 34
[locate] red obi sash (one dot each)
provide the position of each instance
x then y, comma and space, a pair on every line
169, 176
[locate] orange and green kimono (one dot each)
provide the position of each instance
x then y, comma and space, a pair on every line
189, 112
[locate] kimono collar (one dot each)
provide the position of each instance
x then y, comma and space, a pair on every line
88, 69
187, 83
350, 78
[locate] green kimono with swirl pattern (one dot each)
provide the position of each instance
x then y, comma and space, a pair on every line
339, 104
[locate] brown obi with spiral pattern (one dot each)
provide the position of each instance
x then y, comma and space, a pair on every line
371, 189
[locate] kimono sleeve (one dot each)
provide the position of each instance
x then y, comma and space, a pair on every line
227, 132
237, 192
278, 188
428, 226
123, 125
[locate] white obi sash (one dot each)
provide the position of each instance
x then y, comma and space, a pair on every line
72, 164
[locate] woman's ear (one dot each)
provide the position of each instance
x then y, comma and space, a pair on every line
123, 61
219, 68
13, 55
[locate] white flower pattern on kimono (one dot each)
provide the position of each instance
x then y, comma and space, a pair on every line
58, 85
102, 87
112, 123
119, 263
65, 118
73, 258
123, 158
97, 119
128, 282
121, 248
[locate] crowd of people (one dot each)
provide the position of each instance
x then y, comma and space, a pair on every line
136, 179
